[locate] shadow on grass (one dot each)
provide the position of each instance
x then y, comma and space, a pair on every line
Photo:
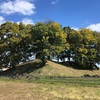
67, 64
72, 65
26, 67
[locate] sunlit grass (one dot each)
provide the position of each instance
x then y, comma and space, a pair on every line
50, 89
51, 82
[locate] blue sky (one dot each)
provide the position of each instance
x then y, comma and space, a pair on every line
74, 13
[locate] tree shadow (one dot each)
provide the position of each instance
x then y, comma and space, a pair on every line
73, 65
26, 67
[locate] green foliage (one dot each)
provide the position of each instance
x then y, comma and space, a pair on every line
18, 42
13, 43
48, 39
83, 49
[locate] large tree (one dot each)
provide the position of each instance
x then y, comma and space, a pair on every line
82, 44
48, 39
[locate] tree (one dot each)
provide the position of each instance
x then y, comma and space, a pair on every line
14, 43
83, 45
47, 40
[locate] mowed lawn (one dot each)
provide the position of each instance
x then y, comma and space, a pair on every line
49, 89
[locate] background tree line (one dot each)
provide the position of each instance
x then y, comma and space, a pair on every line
18, 42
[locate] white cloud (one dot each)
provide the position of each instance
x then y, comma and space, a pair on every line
75, 28
54, 2
26, 21
24, 7
94, 27
2, 20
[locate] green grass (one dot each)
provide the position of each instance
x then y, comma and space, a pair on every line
91, 82
69, 81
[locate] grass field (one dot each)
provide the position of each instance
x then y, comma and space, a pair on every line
50, 89
51, 82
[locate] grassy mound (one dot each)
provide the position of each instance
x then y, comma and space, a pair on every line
36, 68
54, 69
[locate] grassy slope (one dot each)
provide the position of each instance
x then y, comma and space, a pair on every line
54, 69
36, 68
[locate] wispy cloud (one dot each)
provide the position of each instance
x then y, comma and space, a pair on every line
54, 2
2, 20
94, 27
86, 22
24, 7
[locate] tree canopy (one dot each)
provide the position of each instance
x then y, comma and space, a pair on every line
18, 42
